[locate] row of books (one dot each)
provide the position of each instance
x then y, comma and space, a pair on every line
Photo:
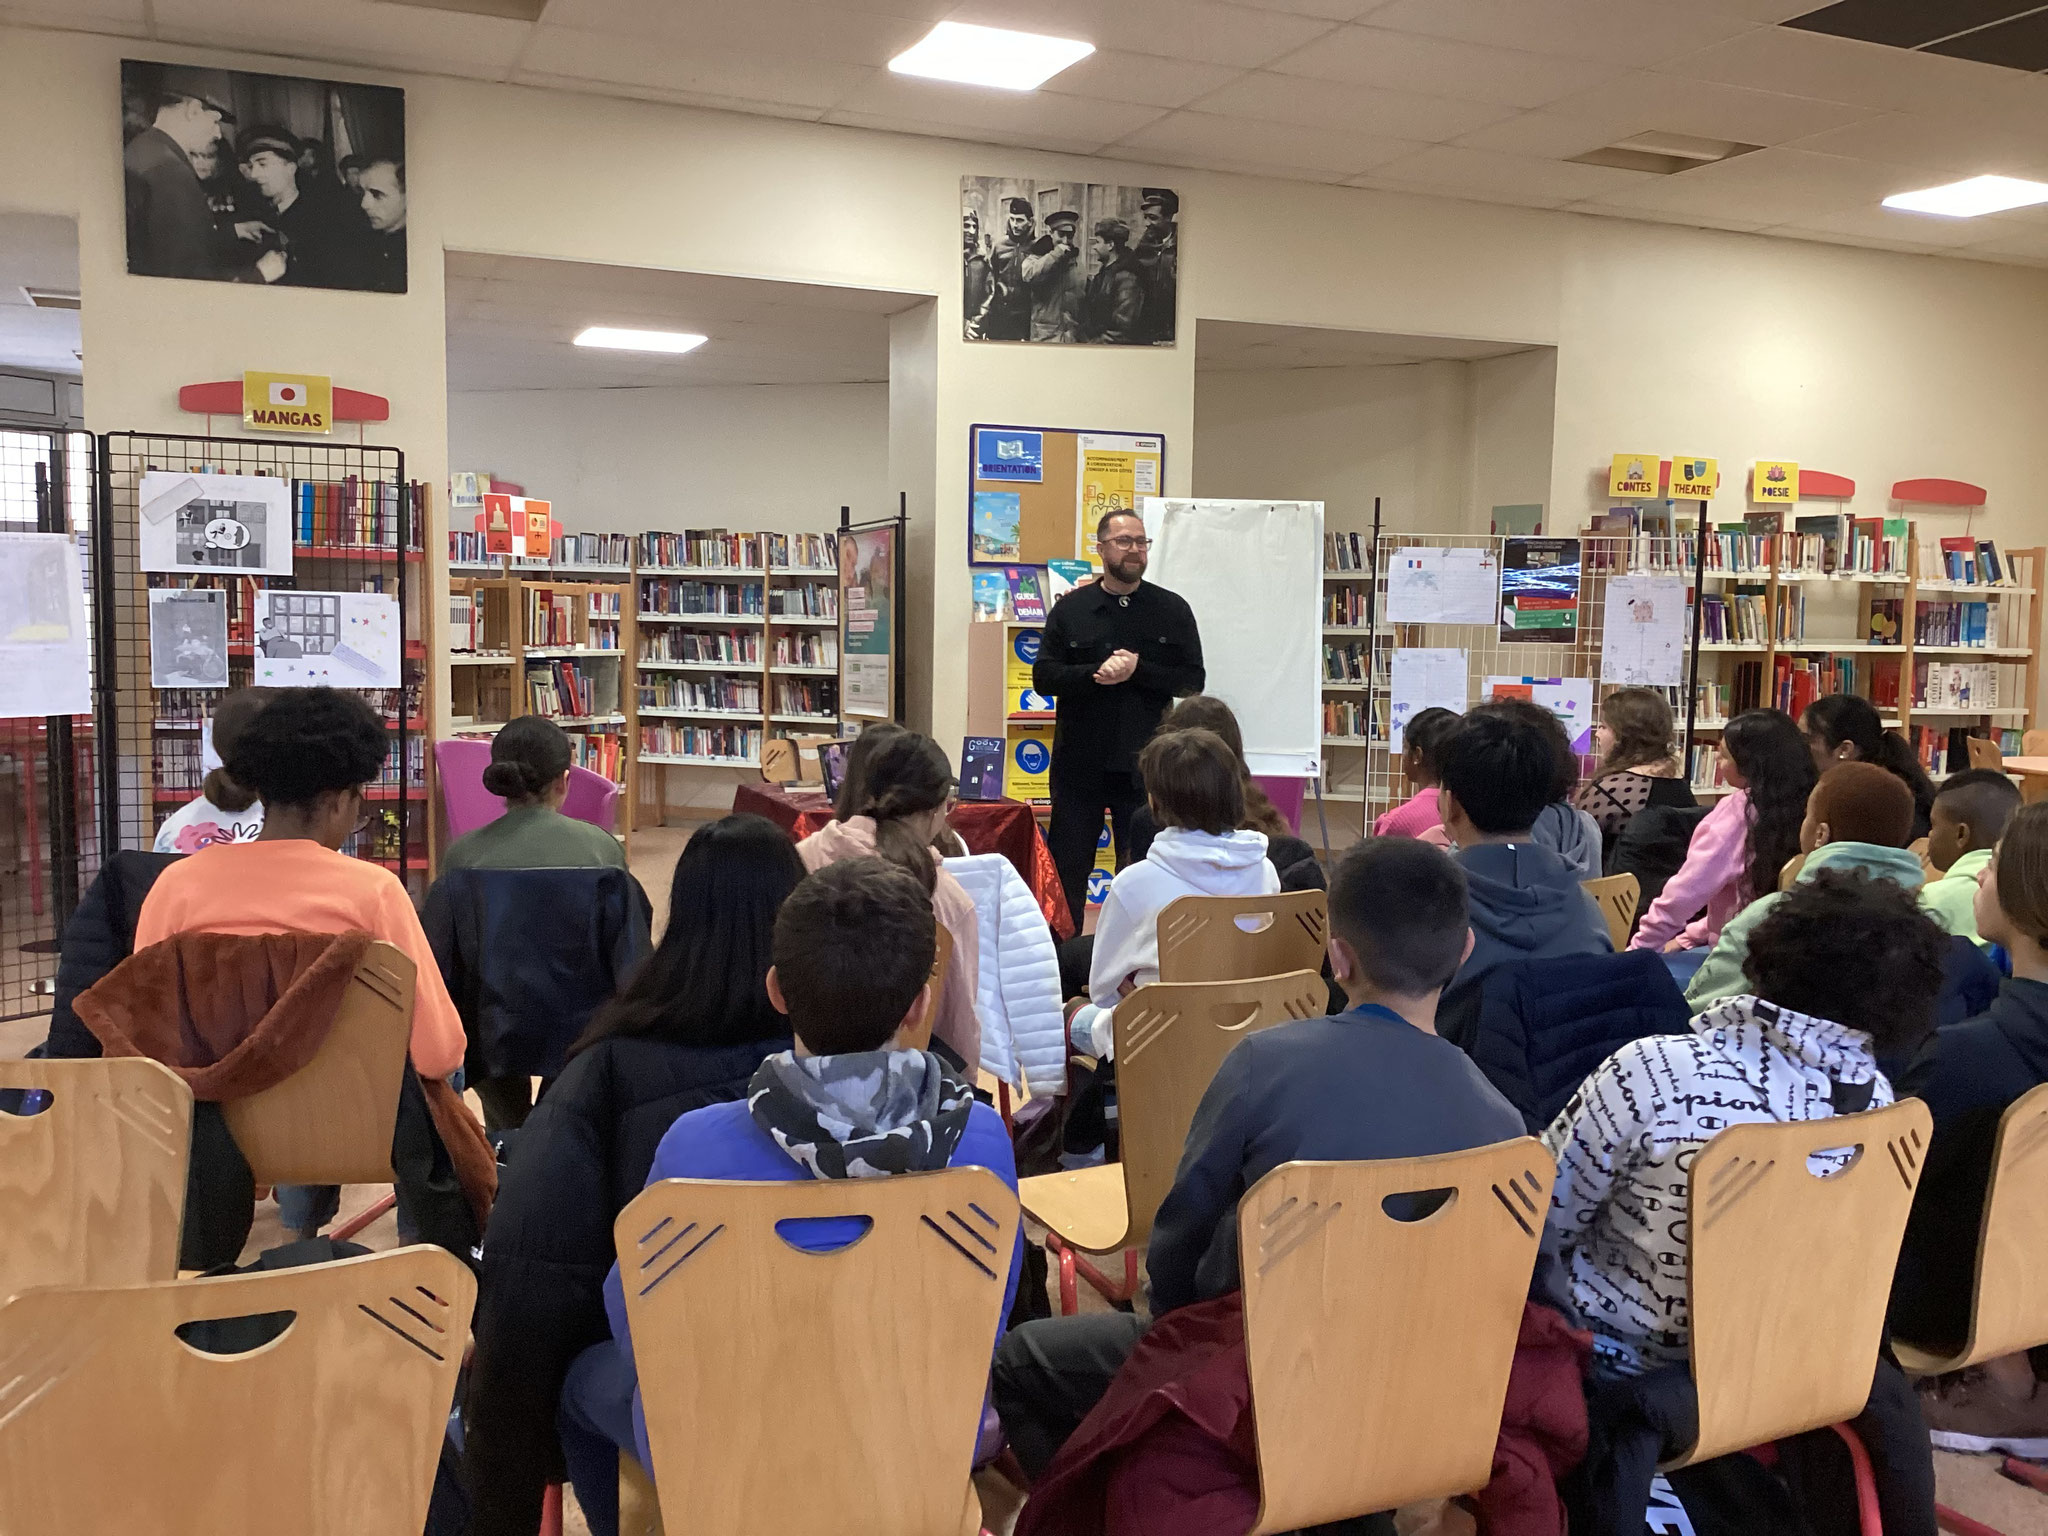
1945, 749
807, 696
713, 690
675, 595
466, 622
568, 689
1347, 551
1344, 606
1346, 661
807, 599
1974, 562
551, 617
806, 648
814, 551
1737, 618
670, 739
593, 549
1969, 685
1968, 623
356, 513
1836, 544
601, 752
1343, 717
740, 648
703, 547
1796, 681
1705, 768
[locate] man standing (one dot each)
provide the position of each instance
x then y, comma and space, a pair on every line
1116, 293
171, 227
1115, 653
1007, 314
384, 209
317, 232
1159, 261
1048, 270
974, 273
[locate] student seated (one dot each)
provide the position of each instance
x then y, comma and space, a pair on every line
1846, 728
853, 949
1842, 968
225, 812
1371, 1082
1499, 775
893, 801
1419, 740
1291, 857
1970, 814
529, 771
1969, 1074
1195, 790
1638, 765
1560, 826
1740, 845
1857, 817
690, 1028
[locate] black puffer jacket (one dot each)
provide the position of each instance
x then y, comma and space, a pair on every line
578, 1162
99, 936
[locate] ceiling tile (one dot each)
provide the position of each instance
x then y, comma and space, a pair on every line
2027, 243
1360, 109
1329, 10
1768, 11
1460, 172
768, 30
116, 16
673, 67
1772, 186
1408, 61
964, 110
1838, 69
355, 32
1107, 75
1212, 139
1619, 31
1204, 30
710, 100
1691, 220
1940, 142
1874, 221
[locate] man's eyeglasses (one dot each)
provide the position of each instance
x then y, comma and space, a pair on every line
1125, 541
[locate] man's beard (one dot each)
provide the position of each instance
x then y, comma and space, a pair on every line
1128, 569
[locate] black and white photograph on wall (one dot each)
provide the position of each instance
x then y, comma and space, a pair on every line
235, 177
188, 637
1069, 261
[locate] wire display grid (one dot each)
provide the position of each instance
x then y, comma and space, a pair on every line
49, 790
357, 525
1382, 784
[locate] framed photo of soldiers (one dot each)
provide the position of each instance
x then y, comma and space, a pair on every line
233, 177
1069, 262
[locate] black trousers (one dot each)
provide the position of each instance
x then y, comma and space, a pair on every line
1081, 792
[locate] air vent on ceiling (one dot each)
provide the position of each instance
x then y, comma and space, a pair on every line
50, 298
2009, 33
510, 10
1664, 154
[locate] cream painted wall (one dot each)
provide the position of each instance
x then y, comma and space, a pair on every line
1514, 409
1871, 364
782, 456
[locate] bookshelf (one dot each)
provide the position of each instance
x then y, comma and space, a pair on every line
738, 643
1346, 662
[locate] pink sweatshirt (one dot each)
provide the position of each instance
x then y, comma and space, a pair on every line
1711, 877
1412, 819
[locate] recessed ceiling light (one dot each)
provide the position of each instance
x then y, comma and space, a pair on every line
1970, 199
638, 341
1013, 61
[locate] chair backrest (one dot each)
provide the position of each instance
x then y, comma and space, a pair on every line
1170, 1039
2010, 1310
1379, 1346
92, 1187
593, 798
459, 769
330, 1122
2035, 743
110, 1421
884, 1342
1789, 871
1790, 1272
1616, 896
1234, 938
779, 760
1983, 753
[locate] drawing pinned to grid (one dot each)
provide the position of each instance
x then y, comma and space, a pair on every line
1430, 585
1643, 641
1424, 677
331, 639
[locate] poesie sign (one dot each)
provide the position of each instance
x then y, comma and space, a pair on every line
287, 402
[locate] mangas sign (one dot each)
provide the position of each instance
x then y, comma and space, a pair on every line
287, 402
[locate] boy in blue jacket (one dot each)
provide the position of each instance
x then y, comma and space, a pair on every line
860, 1097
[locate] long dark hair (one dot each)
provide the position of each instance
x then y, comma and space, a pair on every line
705, 983
907, 775
1839, 717
853, 778
1770, 753
1204, 711
1639, 719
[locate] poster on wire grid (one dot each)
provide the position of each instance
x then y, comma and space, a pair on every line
207, 524
1424, 677
45, 646
327, 639
1642, 639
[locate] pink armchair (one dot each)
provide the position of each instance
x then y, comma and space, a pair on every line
592, 797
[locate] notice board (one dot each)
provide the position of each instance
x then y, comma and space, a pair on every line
1035, 493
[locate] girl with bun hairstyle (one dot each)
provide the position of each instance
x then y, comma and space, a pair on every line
225, 812
894, 801
529, 771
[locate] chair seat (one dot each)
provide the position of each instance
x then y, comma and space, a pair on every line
1086, 1209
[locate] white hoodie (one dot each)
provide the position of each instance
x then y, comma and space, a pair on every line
1179, 863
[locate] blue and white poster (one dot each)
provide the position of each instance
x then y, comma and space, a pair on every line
1003, 454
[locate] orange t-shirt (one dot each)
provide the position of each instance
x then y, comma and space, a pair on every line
295, 885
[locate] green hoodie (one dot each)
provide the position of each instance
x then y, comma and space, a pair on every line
1951, 898
1721, 976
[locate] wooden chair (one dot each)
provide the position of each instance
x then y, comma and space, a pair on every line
330, 1122
1170, 1039
1235, 938
92, 1188
2009, 1305
1790, 1273
2034, 743
779, 761
1618, 896
1380, 1347
885, 1342
1789, 871
1984, 753
110, 1421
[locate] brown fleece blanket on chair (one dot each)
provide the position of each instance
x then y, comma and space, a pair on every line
232, 1014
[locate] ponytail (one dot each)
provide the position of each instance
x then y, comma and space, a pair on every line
908, 775
1840, 717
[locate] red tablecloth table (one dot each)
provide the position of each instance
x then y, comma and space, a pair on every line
985, 826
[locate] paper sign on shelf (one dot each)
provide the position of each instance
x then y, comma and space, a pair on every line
1017, 663
1774, 482
288, 402
1694, 479
1635, 475
1027, 775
